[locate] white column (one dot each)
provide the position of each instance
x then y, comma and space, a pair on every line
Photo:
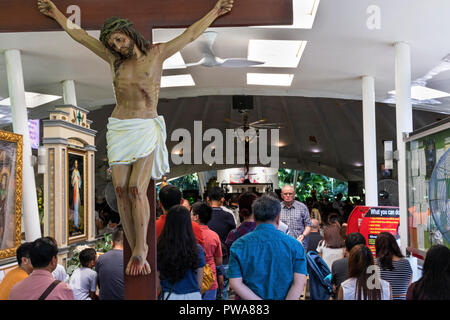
370, 141
20, 126
69, 94
295, 181
404, 124
201, 183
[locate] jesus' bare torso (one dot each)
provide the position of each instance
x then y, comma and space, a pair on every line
137, 84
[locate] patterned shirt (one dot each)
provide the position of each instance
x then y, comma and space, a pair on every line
296, 217
244, 228
398, 278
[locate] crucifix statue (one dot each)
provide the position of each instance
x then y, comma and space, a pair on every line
136, 134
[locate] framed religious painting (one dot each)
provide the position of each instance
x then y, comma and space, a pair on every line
76, 195
10, 193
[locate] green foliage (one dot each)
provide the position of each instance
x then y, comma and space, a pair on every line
307, 181
105, 244
188, 182
73, 263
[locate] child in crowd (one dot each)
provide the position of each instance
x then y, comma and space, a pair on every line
84, 279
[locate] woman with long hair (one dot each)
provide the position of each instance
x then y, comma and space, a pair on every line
364, 282
332, 247
248, 224
394, 268
435, 281
180, 258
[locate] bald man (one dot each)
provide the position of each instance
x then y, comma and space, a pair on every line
314, 235
295, 214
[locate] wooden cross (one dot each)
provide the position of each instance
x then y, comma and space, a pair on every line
23, 16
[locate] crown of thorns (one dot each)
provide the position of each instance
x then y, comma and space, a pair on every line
112, 25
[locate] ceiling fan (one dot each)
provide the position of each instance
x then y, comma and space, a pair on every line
245, 125
259, 124
205, 43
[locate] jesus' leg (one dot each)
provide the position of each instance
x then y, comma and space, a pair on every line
139, 181
120, 175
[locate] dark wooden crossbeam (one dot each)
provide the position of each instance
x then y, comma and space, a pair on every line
23, 15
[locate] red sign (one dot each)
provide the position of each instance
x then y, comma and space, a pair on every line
370, 221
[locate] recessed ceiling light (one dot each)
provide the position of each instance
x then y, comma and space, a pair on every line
304, 13
270, 79
174, 62
276, 53
182, 80
33, 99
424, 93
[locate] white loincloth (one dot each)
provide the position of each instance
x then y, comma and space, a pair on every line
128, 140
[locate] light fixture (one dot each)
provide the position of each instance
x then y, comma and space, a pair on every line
304, 14
174, 62
270, 79
276, 53
33, 99
424, 93
182, 80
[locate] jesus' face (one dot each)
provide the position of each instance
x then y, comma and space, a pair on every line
122, 44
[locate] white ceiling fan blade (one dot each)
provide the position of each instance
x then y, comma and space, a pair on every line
205, 43
193, 64
239, 63
259, 121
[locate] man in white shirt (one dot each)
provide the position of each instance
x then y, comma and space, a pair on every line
60, 273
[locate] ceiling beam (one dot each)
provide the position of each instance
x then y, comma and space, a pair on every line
24, 16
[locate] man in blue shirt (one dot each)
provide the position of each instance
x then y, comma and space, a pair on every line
266, 263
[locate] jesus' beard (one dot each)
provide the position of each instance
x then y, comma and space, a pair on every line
129, 53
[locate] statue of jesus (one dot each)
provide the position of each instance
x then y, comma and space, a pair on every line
136, 134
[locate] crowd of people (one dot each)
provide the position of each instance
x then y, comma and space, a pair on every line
252, 247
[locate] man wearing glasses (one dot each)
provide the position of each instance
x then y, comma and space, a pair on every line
295, 214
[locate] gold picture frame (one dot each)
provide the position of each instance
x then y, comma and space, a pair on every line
11, 152
76, 214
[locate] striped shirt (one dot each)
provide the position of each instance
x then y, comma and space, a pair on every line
296, 217
398, 277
